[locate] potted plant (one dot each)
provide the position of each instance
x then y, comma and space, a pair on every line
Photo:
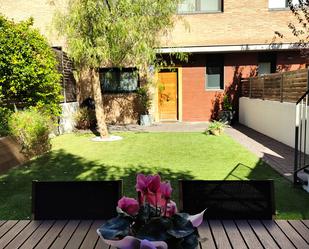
151, 221
215, 128
226, 114
145, 103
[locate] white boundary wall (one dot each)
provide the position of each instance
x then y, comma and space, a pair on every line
272, 118
67, 123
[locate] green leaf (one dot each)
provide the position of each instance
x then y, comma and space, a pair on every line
191, 241
181, 227
155, 229
116, 228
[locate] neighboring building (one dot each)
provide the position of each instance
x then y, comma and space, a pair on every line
227, 40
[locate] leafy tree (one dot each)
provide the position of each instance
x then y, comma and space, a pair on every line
28, 68
299, 28
114, 33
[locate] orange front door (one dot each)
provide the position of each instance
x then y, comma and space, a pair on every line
168, 95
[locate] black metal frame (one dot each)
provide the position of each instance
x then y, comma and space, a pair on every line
299, 138
36, 184
269, 183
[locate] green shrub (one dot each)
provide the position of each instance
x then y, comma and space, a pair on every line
215, 128
144, 99
28, 68
85, 118
4, 117
226, 104
31, 129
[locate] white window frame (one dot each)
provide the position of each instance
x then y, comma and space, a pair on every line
198, 8
280, 4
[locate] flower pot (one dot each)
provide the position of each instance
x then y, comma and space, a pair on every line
216, 132
226, 117
145, 120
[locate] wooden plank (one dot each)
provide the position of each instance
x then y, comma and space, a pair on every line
92, 236
281, 239
2, 222
233, 234
65, 234
306, 222
38, 234
23, 235
219, 234
7, 226
52, 234
102, 245
10, 235
301, 229
294, 237
248, 235
264, 237
206, 238
79, 234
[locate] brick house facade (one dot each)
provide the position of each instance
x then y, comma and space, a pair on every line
226, 39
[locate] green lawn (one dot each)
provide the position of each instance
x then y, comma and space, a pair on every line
173, 155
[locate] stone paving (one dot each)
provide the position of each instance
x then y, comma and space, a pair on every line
278, 155
163, 127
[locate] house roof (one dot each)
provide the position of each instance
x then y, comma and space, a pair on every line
230, 48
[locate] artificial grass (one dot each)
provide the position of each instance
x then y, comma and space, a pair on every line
173, 155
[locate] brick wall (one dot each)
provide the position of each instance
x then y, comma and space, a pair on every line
41, 10
200, 104
242, 22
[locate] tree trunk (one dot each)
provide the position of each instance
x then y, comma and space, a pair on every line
98, 101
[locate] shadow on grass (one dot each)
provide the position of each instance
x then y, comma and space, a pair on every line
15, 185
291, 202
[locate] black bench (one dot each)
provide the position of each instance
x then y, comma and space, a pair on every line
75, 199
252, 199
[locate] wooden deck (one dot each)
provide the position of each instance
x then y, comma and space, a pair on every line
215, 234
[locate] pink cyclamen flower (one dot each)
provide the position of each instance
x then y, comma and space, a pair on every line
128, 205
153, 183
141, 183
171, 209
166, 190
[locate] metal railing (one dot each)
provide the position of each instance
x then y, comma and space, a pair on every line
301, 133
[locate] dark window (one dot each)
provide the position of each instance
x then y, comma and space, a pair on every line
267, 63
115, 80
214, 72
192, 6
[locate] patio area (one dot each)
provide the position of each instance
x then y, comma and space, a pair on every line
214, 234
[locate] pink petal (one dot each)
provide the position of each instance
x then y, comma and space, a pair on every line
141, 183
166, 190
197, 219
128, 205
154, 183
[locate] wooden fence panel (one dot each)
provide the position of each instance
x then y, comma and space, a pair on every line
284, 87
